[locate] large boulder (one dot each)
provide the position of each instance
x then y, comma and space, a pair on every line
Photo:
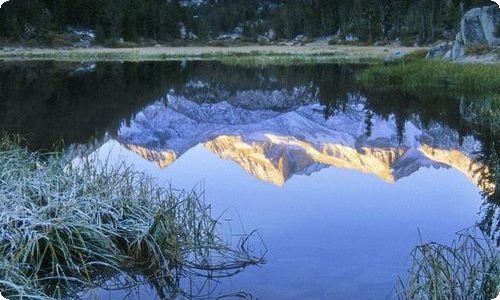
472, 30
479, 26
480, 29
457, 51
491, 25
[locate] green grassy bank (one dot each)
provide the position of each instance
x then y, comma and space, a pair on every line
414, 74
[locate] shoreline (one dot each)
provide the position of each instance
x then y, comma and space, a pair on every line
310, 52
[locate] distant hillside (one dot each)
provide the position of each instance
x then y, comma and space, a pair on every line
89, 22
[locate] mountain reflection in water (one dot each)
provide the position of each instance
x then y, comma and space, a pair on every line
298, 140
341, 176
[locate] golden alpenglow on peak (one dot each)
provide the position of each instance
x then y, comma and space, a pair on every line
279, 157
252, 158
377, 161
275, 159
461, 162
274, 145
161, 158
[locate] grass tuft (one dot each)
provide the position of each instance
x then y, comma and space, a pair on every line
65, 229
468, 269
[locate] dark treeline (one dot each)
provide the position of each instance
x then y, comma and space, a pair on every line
50, 102
420, 21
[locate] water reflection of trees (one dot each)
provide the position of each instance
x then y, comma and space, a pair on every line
47, 101
453, 113
489, 136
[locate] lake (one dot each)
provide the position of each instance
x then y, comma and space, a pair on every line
340, 181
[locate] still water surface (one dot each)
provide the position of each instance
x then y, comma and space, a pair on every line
337, 179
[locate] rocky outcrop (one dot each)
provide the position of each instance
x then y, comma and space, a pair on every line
479, 26
479, 30
438, 51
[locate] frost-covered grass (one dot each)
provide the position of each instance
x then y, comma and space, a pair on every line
467, 269
65, 229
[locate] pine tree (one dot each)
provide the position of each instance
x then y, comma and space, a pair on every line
370, 20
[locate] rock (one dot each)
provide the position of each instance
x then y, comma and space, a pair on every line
472, 30
457, 51
398, 54
490, 20
478, 26
80, 37
438, 51
448, 55
393, 57
182, 30
478, 30
263, 39
336, 38
351, 38
270, 34
299, 40
397, 42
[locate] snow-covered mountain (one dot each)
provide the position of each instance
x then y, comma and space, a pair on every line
277, 134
